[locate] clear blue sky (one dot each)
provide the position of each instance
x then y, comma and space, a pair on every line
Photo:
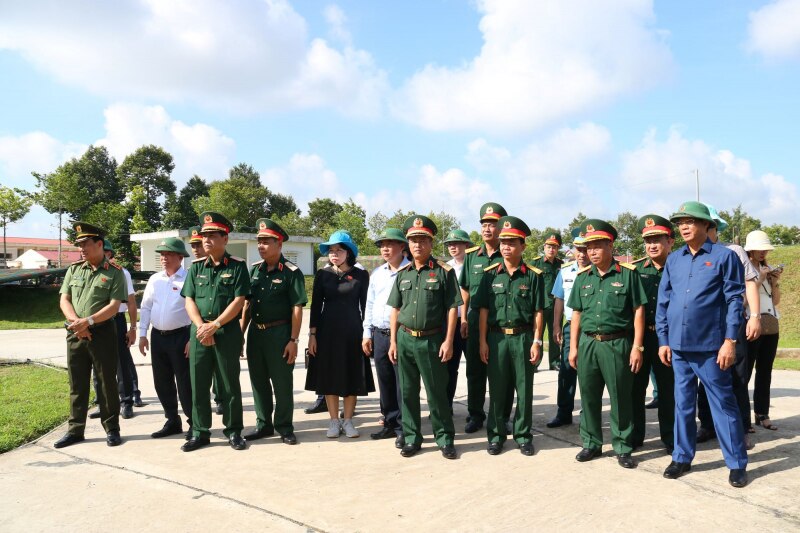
549, 108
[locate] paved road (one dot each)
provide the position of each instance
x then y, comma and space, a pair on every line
364, 485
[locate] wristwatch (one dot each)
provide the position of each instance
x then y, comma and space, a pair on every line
640, 348
540, 342
217, 324
90, 320
294, 340
733, 341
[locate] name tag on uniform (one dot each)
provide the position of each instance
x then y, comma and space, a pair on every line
616, 284
403, 281
432, 280
497, 284
586, 287
225, 275
478, 266
523, 287
201, 276
277, 281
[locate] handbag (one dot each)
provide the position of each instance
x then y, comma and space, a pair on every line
769, 324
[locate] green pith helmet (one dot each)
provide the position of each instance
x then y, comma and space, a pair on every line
457, 235
173, 244
692, 210
391, 234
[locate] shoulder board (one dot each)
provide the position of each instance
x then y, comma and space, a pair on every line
113, 264
628, 266
291, 266
257, 263
238, 259
491, 267
584, 269
565, 265
445, 266
537, 270
473, 249
405, 267
199, 259
638, 260
536, 258
79, 262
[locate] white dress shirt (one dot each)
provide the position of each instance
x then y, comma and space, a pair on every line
457, 267
162, 303
123, 307
377, 314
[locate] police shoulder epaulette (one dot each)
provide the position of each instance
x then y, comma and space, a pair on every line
536, 258
491, 267
291, 266
565, 265
638, 260
199, 259
113, 264
470, 250
238, 259
79, 262
628, 266
536, 270
257, 263
445, 266
405, 267
584, 269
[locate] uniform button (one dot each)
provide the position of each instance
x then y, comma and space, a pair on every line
258, 301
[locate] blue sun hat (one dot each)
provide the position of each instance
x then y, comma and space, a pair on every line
342, 238
721, 224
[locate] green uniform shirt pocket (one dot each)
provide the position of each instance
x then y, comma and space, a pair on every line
433, 289
617, 298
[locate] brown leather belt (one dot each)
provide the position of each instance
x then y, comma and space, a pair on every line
609, 337
421, 332
512, 331
267, 325
650, 327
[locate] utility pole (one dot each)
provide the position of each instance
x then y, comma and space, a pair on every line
697, 182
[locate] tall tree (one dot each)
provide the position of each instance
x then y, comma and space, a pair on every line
445, 222
14, 204
149, 167
98, 171
574, 223
739, 225
246, 173
321, 211
353, 219
629, 238
238, 199
180, 212
280, 205
782, 235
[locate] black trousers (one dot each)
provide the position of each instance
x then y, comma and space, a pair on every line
741, 378
454, 363
388, 382
171, 372
761, 355
127, 378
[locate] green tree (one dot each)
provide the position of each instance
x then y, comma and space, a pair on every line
180, 212
14, 205
149, 167
246, 173
321, 212
280, 205
294, 224
238, 199
739, 225
782, 235
574, 223
353, 219
116, 220
98, 172
629, 238
475, 237
445, 223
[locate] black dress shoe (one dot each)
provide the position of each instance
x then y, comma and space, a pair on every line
195, 443
669, 449
137, 400
705, 434
409, 450
676, 469
494, 448
557, 423
113, 438
237, 442
259, 434
320, 406
473, 426
188, 435
289, 438
449, 451
168, 429
218, 409
399, 442
738, 478
95, 413
384, 433
652, 405
126, 411
587, 454
526, 448
68, 440
626, 461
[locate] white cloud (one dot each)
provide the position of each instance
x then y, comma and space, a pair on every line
242, 56
32, 152
540, 62
774, 30
305, 177
659, 174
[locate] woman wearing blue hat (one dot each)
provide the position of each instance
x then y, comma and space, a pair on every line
338, 367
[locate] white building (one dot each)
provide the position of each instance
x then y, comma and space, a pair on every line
299, 250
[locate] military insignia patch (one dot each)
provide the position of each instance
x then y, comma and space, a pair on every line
682, 209
263, 225
589, 228
208, 219
649, 222
553, 237
489, 210
417, 222
163, 243
194, 233
506, 224
78, 229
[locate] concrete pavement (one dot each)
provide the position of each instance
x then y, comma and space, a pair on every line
365, 485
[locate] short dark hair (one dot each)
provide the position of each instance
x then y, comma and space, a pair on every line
350, 258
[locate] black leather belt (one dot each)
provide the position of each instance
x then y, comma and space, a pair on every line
512, 331
421, 332
606, 337
168, 332
274, 323
383, 331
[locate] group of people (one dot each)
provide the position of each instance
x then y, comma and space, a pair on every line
680, 314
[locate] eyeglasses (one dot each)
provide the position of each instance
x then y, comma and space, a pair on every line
686, 222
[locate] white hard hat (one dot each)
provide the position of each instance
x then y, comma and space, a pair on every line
757, 241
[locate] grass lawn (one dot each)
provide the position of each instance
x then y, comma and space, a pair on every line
29, 308
790, 294
33, 400
786, 363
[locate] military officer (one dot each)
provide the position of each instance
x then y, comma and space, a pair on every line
424, 293
215, 291
607, 314
550, 265
91, 293
476, 260
510, 302
658, 237
456, 242
274, 311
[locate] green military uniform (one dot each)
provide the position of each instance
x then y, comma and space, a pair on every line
512, 301
213, 288
606, 305
424, 296
91, 289
549, 273
652, 225
273, 295
475, 262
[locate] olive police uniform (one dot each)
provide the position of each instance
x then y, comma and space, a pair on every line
549, 272
476, 260
273, 295
650, 274
213, 288
512, 301
91, 289
606, 305
424, 296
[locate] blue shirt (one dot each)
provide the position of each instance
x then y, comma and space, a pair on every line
376, 313
700, 299
563, 286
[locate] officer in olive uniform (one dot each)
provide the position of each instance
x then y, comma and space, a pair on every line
658, 236
425, 292
475, 262
607, 304
550, 265
274, 311
90, 297
215, 291
510, 301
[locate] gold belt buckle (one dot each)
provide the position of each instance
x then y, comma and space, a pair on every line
508, 331
416, 333
597, 337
